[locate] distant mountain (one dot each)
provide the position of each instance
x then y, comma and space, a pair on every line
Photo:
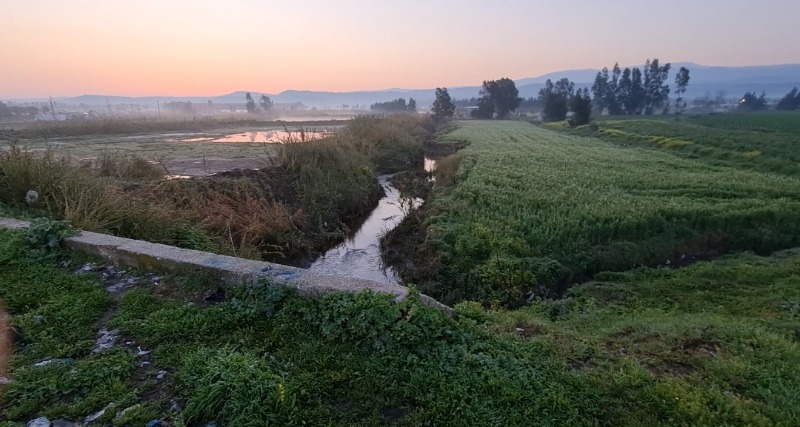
775, 80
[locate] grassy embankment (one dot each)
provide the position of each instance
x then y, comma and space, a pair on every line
712, 344
534, 210
296, 204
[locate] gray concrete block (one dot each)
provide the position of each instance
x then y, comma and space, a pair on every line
230, 270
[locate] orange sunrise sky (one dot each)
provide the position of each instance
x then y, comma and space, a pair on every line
198, 48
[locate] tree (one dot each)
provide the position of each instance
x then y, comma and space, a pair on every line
502, 94
750, 102
412, 105
251, 105
581, 106
611, 97
599, 89
790, 102
555, 99
485, 108
631, 91
656, 92
681, 81
265, 103
608, 91
443, 107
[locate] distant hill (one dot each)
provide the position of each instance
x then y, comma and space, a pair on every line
775, 80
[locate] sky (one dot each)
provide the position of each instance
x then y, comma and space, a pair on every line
214, 47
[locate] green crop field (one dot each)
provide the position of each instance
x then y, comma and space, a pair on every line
533, 210
770, 122
768, 142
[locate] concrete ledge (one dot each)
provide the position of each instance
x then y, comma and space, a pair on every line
13, 224
230, 270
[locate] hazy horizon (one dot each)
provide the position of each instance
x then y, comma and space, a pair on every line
201, 48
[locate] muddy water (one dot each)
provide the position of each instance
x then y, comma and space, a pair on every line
360, 254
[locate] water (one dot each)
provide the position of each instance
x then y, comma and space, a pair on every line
359, 255
266, 137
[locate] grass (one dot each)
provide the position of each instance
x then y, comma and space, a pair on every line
534, 210
712, 344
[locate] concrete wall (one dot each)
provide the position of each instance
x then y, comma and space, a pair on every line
228, 269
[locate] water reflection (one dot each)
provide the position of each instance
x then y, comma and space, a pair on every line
266, 137
359, 255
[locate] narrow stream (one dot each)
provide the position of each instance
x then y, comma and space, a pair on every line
359, 255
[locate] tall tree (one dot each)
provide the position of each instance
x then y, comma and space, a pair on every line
265, 103
503, 95
581, 106
599, 90
624, 89
655, 90
485, 108
790, 102
637, 96
555, 99
681, 82
412, 105
251, 104
443, 107
612, 92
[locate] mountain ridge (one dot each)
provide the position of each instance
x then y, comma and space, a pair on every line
774, 80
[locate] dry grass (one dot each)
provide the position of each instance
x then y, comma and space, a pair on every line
447, 170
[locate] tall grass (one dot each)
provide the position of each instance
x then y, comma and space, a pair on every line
83, 196
297, 204
335, 176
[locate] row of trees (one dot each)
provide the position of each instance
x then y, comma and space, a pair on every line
750, 102
790, 102
396, 106
560, 98
638, 91
264, 103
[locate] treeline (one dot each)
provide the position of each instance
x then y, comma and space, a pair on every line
790, 102
638, 91
396, 106
15, 110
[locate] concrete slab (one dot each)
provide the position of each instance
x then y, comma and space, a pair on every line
230, 270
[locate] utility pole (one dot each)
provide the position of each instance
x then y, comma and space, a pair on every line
158, 106
108, 106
